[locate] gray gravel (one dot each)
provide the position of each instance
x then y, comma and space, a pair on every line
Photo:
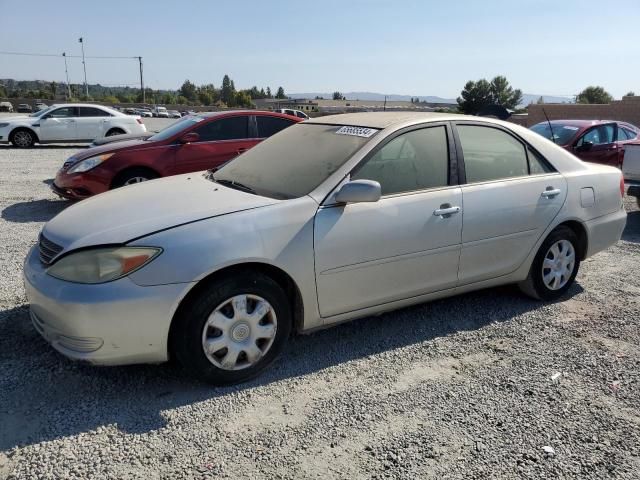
459, 388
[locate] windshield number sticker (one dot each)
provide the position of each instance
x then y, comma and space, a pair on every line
356, 131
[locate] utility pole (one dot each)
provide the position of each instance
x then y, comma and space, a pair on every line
84, 65
144, 97
66, 72
385, 104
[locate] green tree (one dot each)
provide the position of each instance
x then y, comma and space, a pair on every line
188, 90
540, 100
228, 91
280, 93
593, 94
3, 91
630, 94
243, 99
53, 86
338, 96
269, 92
477, 95
474, 96
110, 99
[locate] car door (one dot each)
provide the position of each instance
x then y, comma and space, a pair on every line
598, 145
510, 194
59, 125
91, 122
221, 139
268, 125
399, 247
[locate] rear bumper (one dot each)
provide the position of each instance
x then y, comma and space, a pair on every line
605, 231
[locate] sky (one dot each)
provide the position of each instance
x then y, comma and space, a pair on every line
409, 47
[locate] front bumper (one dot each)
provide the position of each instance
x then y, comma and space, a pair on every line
76, 186
113, 323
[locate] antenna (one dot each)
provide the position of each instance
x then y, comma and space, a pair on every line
553, 139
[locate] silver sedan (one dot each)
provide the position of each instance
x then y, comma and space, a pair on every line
336, 218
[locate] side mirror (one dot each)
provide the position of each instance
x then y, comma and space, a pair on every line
190, 137
358, 191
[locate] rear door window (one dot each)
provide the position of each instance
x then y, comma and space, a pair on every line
268, 126
491, 154
93, 112
230, 128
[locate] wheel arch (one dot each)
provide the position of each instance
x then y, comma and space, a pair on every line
120, 129
23, 127
282, 278
127, 169
581, 233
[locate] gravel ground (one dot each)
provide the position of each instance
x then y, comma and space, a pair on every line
485, 385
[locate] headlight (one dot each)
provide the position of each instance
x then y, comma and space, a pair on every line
102, 265
5, 124
89, 163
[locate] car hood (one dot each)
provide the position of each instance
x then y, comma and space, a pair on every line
114, 146
17, 119
121, 215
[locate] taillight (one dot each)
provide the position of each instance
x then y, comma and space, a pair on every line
139, 120
621, 186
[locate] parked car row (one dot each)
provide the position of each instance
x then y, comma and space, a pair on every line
324, 221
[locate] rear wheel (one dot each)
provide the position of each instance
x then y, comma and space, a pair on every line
23, 138
233, 330
554, 267
132, 176
114, 131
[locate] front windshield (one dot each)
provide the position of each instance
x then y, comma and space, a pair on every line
562, 134
39, 113
175, 128
295, 161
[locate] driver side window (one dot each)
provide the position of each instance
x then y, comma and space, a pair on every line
415, 160
600, 135
64, 112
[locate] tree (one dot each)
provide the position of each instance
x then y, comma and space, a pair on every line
630, 94
54, 88
280, 93
477, 95
110, 99
474, 96
503, 94
540, 100
269, 92
593, 94
243, 99
188, 90
228, 90
338, 96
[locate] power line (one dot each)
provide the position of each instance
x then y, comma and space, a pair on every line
60, 55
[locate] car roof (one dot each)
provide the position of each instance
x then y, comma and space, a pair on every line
578, 122
245, 112
389, 119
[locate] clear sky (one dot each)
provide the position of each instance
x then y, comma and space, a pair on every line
412, 47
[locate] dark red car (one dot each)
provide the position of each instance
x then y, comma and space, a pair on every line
598, 141
194, 143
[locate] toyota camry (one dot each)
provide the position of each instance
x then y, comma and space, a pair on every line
331, 219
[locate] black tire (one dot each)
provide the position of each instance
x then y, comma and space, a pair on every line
534, 285
114, 131
128, 176
187, 332
23, 138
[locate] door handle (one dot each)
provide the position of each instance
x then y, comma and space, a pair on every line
551, 192
445, 211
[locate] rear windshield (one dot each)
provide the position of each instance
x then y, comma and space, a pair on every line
293, 162
557, 132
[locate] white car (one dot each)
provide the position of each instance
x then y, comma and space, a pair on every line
145, 112
328, 220
293, 113
160, 112
72, 122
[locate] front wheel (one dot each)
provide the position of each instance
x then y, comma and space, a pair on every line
554, 267
23, 138
133, 176
233, 330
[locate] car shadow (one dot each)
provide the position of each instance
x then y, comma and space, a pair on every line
44, 396
48, 181
33, 211
47, 146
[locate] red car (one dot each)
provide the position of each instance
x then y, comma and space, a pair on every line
192, 144
598, 141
